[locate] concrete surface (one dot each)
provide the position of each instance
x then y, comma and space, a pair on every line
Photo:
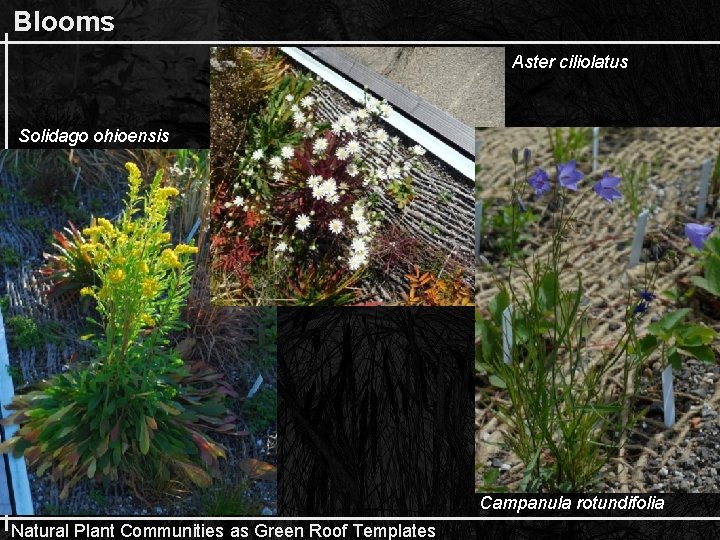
466, 82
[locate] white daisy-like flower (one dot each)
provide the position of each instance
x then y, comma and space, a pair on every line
358, 212
381, 135
229, 224
307, 101
287, 152
363, 227
277, 176
407, 166
356, 261
329, 188
258, 154
362, 114
314, 181
333, 199
317, 193
393, 172
342, 153
353, 147
418, 150
302, 222
295, 108
276, 162
239, 201
289, 98
348, 125
336, 226
352, 170
228, 204
359, 245
281, 247
298, 118
395, 140
336, 128
320, 145
384, 108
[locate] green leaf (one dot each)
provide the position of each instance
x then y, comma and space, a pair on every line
646, 345
91, 468
693, 335
490, 477
704, 353
498, 304
59, 414
704, 284
497, 381
669, 321
674, 358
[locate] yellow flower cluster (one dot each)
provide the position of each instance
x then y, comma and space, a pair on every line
116, 275
169, 259
183, 249
149, 287
148, 320
134, 179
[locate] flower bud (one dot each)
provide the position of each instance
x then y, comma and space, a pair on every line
514, 154
527, 155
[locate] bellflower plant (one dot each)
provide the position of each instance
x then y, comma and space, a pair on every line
562, 419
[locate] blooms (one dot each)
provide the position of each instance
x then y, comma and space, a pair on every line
353, 147
307, 101
568, 175
116, 275
302, 222
275, 162
239, 201
645, 298
417, 150
258, 154
540, 182
170, 259
320, 145
697, 234
281, 247
287, 152
149, 287
606, 187
335, 226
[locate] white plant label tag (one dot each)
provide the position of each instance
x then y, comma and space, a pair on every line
704, 187
639, 238
507, 332
255, 387
478, 226
668, 397
595, 147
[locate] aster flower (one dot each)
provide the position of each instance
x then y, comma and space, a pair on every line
287, 152
320, 145
307, 101
353, 147
258, 154
281, 247
275, 162
540, 182
568, 175
313, 181
302, 222
335, 226
239, 201
356, 261
697, 234
606, 187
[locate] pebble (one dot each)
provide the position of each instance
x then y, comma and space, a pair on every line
663, 471
266, 512
505, 467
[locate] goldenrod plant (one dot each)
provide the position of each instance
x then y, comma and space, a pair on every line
137, 412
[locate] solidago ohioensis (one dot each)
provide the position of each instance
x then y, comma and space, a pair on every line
137, 412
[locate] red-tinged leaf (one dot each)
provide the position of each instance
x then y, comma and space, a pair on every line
259, 470
196, 474
115, 431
